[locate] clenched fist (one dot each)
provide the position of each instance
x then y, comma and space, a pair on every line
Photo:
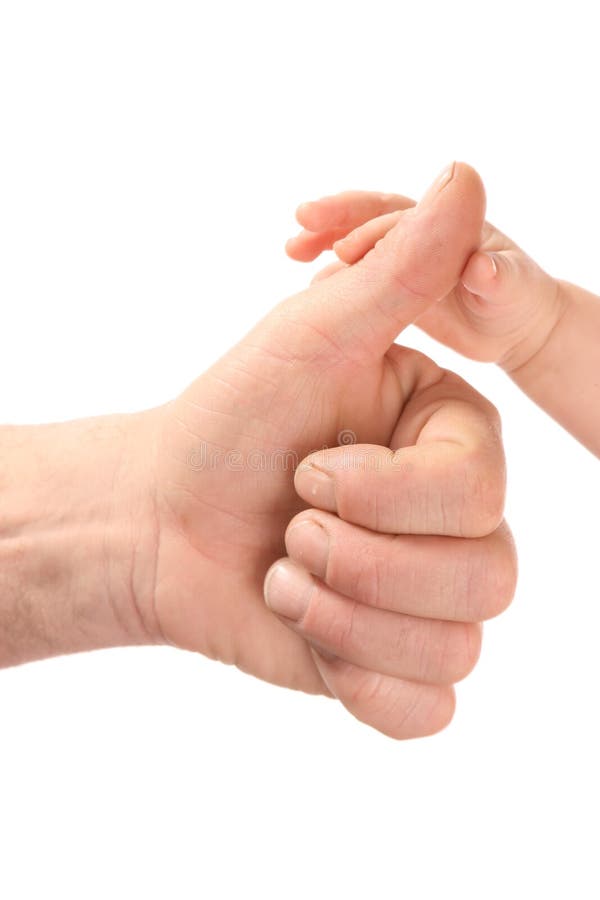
322, 507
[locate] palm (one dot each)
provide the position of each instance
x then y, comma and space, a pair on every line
223, 525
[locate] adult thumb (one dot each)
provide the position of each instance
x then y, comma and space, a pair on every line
361, 309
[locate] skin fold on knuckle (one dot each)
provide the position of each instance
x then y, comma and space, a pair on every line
362, 505
333, 623
354, 569
370, 691
370, 576
457, 653
483, 492
479, 582
401, 710
441, 710
501, 574
419, 255
428, 711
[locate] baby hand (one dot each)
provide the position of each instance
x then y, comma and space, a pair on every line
502, 310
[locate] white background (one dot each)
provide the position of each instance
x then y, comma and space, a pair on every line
151, 156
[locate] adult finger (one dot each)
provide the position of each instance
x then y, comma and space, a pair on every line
459, 579
443, 472
428, 650
358, 311
399, 709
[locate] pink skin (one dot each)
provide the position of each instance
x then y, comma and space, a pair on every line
483, 317
176, 536
542, 331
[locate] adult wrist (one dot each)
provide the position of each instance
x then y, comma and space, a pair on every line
76, 537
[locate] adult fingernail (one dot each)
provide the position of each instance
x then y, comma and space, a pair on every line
445, 177
308, 542
288, 589
442, 181
316, 486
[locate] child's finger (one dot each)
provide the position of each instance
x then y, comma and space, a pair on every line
481, 274
356, 244
500, 278
348, 210
362, 308
307, 245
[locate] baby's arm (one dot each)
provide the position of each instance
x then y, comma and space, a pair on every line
543, 332
563, 377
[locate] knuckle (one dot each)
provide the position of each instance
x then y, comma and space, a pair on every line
368, 584
399, 713
442, 711
428, 711
339, 626
484, 489
376, 697
486, 576
493, 419
372, 691
409, 279
502, 574
460, 649
470, 583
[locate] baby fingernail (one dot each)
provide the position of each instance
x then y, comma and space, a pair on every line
316, 486
308, 542
288, 590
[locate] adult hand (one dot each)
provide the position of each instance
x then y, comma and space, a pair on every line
403, 533
394, 601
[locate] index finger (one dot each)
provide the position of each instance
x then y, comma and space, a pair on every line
443, 472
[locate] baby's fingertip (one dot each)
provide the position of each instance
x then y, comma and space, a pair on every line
343, 249
304, 247
303, 208
305, 213
480, 273
289, 247
338, 249
319, 215
299, 249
